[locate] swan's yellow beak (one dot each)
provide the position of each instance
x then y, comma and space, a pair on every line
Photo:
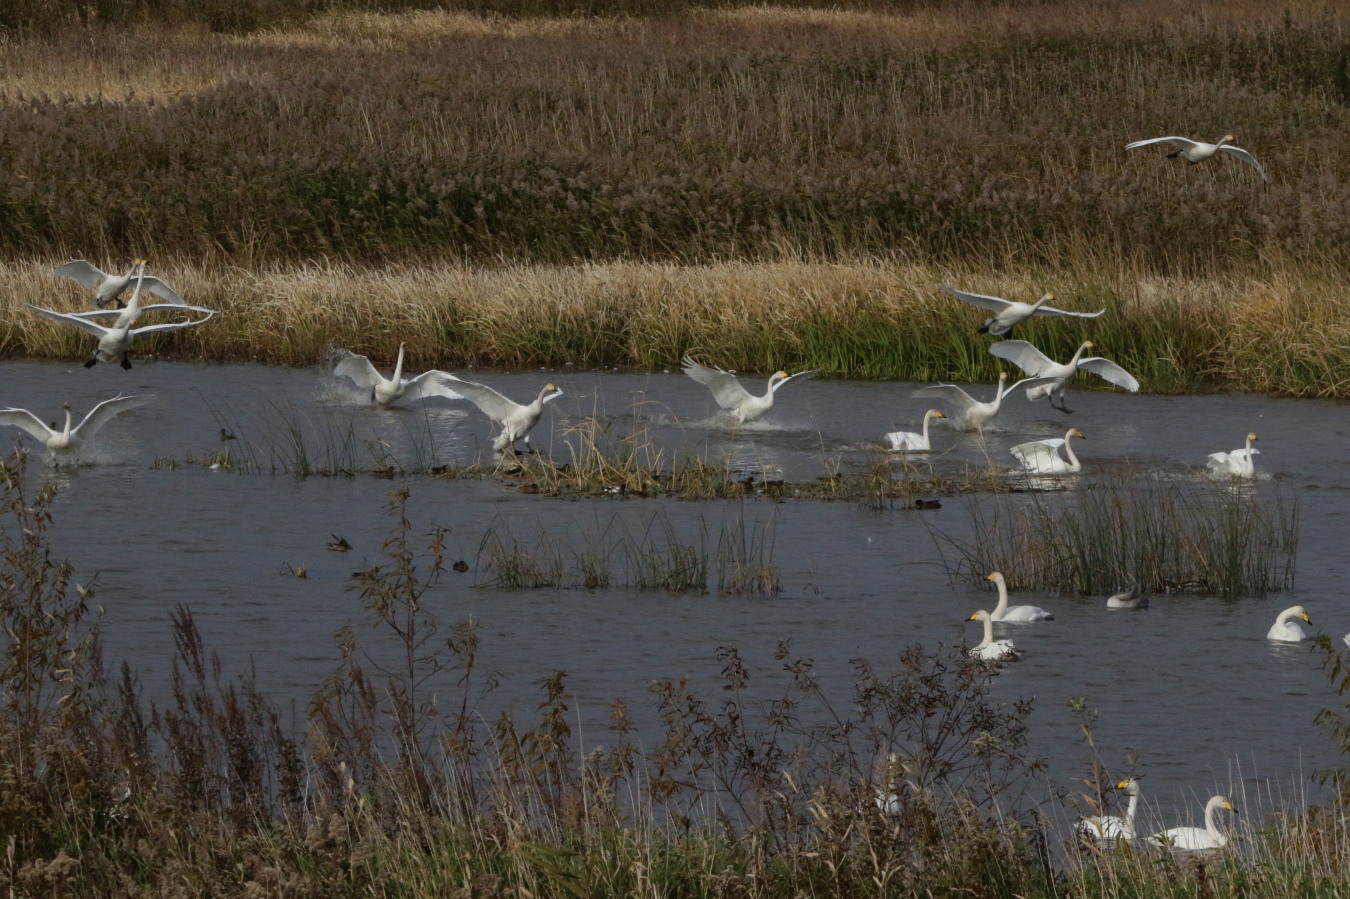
1306, 618
782, 374
550, 387
1122, 785
973, 616
989, 577
939, 415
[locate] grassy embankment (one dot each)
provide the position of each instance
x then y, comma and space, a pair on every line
770, 188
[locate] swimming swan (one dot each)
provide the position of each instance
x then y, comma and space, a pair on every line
1005, 612
66, 443
1194, 151
989, 649
516, 420
973, 415
1132, 598
1238, 463
910, 442
1108, 829
1286, 628
1042, 456
114, 343
107, 288
1008, 313
1196, 838
1038, 365
395, 387
731, 395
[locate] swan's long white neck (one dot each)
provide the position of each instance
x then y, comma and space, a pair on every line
1073, 363
1039, 303
133, 308
1134, 802
988, 630
65, 435
1002, 388
1068, 451
927, 417
1002, 596
398, 366
1211, 810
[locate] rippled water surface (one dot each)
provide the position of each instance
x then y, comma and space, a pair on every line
1190, 684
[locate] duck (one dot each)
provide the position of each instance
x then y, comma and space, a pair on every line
1194, 151
909, 441
108, 288
1055, 375
1196, 839
385, 391
1287, 629
989, 649
1236, 463
1008, 313
1042, 456
732, 396
515, 419
65, 443
1005, 612
1110, 829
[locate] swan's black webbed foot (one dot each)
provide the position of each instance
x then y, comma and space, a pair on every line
91, 363
126, 363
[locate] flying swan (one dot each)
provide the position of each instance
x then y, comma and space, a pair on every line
114, 343
731, 395
1197, 838
973, 415
1005, 612
65, 444
1194, 151
107, 288
1238, 463
1109, 829
385, 391
1042, 456
1056, 375
1008, 313
910, 442
516, 420
1286, 628
989, 649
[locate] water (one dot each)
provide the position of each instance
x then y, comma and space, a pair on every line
1189, 685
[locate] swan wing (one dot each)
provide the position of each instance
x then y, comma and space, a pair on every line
105, 411
92, 314
88, 275
952, 394
1039, 454
169, 326
1051, 310
430, 383
1023, 355
993, 304
1030, 383
1105, 368
801, 374
161, 290
489, 402
1184, 143
726, 390
22, 418
83, 324
1245, 157
358, 369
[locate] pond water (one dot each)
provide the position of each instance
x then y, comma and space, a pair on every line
1191, 685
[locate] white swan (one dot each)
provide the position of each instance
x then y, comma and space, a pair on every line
1005, 612
1042, 456
910, 442
989, 649
1196, 838
107, 288
1194, 151
66, 443
395, 387
1286, 628
1108, 829
114, 343
1008, 313
516, 419
1238, 463
731, 395
1132, 598
973, 415
1058, 375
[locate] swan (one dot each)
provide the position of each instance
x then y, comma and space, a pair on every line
1042, 456
1238, 463
107, 288
114, 343
1128, 599
1286, 628
731, 395
1008, 313
1110, 828
66, 443
1197, 838
910, 442
989, 649
516, 420
973, 415
1057, 375
1005, 612
1194, 151
385, 391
